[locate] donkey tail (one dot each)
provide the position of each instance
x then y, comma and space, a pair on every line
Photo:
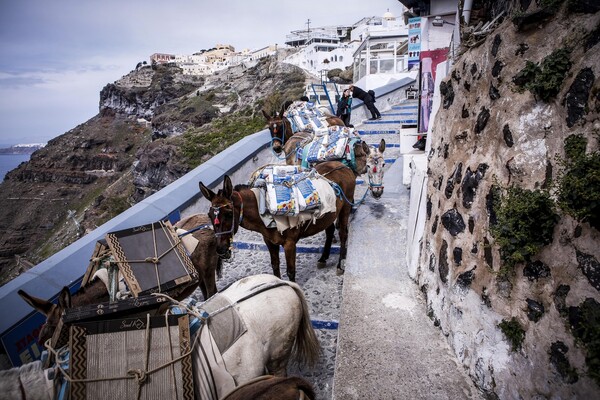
306, 348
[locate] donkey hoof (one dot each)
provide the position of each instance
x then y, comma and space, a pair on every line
321, 264
339, 271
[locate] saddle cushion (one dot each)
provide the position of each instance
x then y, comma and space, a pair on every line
326, 203
328, 146
289, 191
305, 116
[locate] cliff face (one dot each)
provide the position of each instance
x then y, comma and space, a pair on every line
509, 260
154, 125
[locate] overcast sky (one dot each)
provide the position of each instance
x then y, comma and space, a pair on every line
56, 56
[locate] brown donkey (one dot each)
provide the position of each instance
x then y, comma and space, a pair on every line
231, 209
281, 129
270, 387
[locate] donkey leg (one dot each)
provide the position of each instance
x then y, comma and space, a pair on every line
289, 248
329, 236
274, 253
343, 231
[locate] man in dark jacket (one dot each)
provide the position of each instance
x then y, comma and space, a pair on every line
367, 99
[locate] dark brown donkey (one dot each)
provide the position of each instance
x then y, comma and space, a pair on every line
231, 209
281, 130
270, 387
205, 260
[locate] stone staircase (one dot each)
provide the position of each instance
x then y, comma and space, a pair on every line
397, 127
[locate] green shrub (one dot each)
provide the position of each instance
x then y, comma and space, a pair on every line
222, 133
514, 332
525, 223
545, 80
579, 182
575, 146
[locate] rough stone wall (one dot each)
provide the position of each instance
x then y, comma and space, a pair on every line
487, 134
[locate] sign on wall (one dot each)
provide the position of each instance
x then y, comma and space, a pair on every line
414, 41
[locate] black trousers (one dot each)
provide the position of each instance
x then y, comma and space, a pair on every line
346, 119
371, 107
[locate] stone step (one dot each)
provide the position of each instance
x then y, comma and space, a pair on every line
395, 114
406, 107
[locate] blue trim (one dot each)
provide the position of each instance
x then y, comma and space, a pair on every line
398, 114
405, 107
399, 121
299, 249
374, 132
319, 324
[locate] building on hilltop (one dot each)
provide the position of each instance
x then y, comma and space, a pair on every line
207, 62
162, 58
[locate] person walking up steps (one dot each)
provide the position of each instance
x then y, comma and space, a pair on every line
367, 99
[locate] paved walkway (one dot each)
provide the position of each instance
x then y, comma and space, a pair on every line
387, 346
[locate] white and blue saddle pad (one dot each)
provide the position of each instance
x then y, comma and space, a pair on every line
289, 190
329, 146
305, 116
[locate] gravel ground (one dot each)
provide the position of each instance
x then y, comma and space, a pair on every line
322, 288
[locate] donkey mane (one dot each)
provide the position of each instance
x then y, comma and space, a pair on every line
241, 186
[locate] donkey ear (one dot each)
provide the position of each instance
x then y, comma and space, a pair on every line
382, 146
284, 107
227, 187
268, 118
43, 306
64, 298
206, 192
366, 147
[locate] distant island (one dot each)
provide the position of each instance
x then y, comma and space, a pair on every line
22, 148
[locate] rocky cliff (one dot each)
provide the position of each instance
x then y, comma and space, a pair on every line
510, 257
154, 125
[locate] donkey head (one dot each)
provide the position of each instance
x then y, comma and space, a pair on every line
375, 165
224, 215
53, 312
280, 129
361, 153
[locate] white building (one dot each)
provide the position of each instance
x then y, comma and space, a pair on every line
209, 61
374, 41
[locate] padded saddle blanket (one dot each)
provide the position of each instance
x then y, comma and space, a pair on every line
329, 146
288, 196
305, 116
289, 190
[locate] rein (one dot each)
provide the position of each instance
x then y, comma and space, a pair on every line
281, 139
199, 227
217, 210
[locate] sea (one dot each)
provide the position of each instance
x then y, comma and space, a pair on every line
9, 162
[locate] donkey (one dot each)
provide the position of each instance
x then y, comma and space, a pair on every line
226, 215
375, 160
274, 388
281, 129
